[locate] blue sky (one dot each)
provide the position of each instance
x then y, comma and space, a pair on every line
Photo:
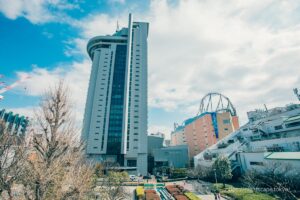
249, 51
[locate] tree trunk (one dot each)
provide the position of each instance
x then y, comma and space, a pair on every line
10, 196
37, 190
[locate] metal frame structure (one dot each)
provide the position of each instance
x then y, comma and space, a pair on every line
223, 104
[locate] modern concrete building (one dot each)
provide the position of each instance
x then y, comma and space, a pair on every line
270, 136
173, 156
177, 136
167, 143
115, 119
14, 123
205, 130
155, 141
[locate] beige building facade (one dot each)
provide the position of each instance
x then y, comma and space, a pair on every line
204, 130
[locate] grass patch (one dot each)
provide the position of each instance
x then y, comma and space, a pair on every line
242, 193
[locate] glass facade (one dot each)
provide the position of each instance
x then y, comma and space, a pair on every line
114, 140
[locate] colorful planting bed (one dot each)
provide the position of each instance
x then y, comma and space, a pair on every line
170, 192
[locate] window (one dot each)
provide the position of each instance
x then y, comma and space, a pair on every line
135, 140
293, 124
114, 137
226, 121
225, 129
131, 163
256, 163
278, 127
96, 139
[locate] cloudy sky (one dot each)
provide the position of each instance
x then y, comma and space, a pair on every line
247, 50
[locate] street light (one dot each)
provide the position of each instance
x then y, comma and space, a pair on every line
215, 175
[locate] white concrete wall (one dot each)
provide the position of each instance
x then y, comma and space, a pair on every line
290, 144
137, 134
246, 158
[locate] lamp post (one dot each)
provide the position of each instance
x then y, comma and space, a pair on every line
215, 175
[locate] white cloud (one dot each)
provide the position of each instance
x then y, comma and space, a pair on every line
162, 129
25, 111
197, 47
247, 50
75, 75
38, 11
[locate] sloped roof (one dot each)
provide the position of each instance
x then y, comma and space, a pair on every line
283, 156
294, 118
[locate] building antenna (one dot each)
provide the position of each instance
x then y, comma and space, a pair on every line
296, 93
117, 26
266, 108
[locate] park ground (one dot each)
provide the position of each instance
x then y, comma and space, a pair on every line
203, 190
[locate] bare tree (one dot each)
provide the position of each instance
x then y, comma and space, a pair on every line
276, 178
250, 180
12, 154
110, 186
55, 168
200, 172
110, 181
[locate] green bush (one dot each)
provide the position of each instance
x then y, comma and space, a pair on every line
178, 172
242, 193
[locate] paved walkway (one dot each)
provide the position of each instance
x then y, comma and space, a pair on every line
208, 197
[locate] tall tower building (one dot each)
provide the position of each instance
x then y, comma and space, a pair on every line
115, 120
